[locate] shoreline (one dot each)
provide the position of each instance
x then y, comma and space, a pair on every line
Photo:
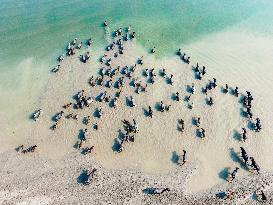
57, 184
154, 143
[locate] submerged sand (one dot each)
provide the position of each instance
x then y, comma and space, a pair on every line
147, 162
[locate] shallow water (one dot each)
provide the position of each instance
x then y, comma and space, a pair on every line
39, 30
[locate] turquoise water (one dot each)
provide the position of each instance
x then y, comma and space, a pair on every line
41, 28
34, 32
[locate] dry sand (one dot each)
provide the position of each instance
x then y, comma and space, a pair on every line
33, 180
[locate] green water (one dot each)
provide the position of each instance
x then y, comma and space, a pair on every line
39, 30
